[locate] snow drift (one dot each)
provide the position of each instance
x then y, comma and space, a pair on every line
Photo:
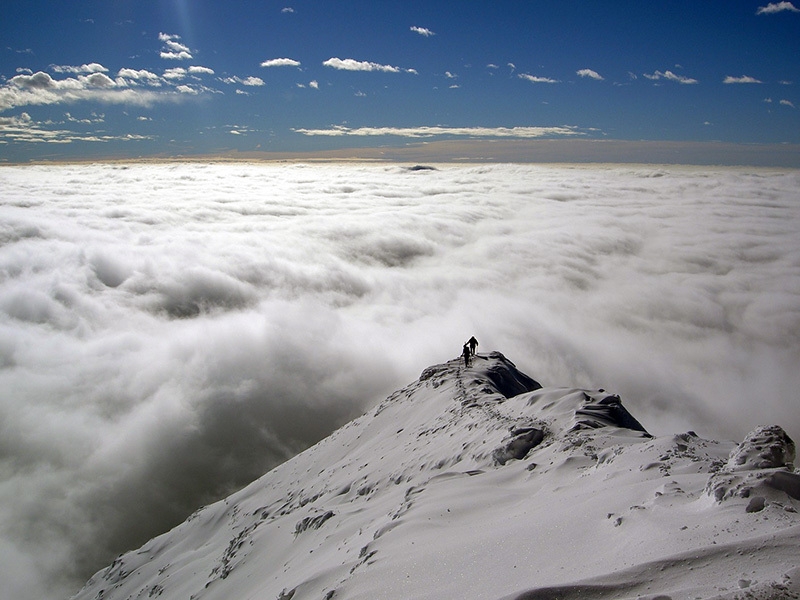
480, 483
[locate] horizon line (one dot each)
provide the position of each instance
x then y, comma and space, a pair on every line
483, 151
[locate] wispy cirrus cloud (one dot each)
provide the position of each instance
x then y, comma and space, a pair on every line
537, 79
742, 79
590, 74
776, 7
423, 31
22, 128
281, 62
427, 131
670, 76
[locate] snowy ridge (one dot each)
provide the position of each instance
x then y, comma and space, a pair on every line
479, 483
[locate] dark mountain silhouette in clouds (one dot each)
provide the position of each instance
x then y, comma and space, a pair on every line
480, 483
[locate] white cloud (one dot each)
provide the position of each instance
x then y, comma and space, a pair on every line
100, 80
23, 129
281, 62
249, 81
536, 79
162, 353
89, 68
421, 132
788, 103
349, 64
590, 74
173, 49
450, 75
422, 31
140, 75
776, 7
670, 76
41, 89
175, 73
314, 84
492, 66
742, 79
287, 10
198, 70
176, 55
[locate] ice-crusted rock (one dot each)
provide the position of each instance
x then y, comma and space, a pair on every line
763, 448
761, 467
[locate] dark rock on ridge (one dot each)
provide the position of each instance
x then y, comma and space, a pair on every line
606, 411
523, 441
507, 379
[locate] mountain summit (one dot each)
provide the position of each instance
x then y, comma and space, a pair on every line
477, 482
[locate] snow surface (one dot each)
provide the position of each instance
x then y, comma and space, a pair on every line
422, 497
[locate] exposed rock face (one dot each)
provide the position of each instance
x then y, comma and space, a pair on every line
507, 379
605, 411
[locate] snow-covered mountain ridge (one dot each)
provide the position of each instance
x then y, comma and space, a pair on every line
479, 483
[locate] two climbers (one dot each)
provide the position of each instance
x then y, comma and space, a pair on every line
469, 350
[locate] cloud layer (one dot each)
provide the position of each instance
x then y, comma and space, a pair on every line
422, 132
170, 332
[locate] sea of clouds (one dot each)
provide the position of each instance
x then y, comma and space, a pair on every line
169, 332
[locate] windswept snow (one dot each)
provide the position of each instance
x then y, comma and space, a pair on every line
479, 483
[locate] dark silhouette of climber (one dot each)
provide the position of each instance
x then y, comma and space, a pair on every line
473, 344
466, 354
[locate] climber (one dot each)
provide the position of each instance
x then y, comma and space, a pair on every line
473, 344
466, 354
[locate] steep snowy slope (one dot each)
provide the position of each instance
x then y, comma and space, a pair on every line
478, 483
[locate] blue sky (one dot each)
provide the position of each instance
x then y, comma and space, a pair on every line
178, 77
